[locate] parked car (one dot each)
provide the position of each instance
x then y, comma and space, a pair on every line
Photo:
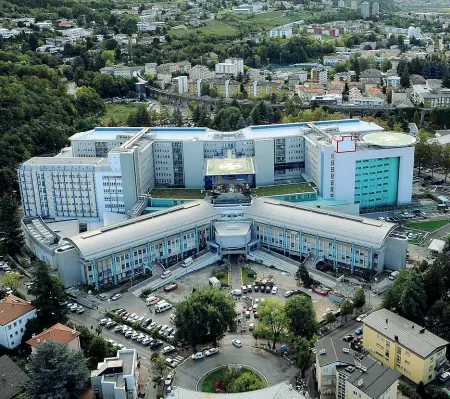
289, 293
166, 273
104, 321
171, 287
129, 333
147, 341
274, 290
171, 362
135, 336
444, 376
141, 338
103, 297
168, 380
118, 328
236, 343
197, 356
268, 290
251, 327
80, 309
348, 338
151, 300
152, 325
169, 349
358, 331
212, 351
361, 317
116, 297
110, 324
156, 344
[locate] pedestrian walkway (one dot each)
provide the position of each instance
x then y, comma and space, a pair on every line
235, 280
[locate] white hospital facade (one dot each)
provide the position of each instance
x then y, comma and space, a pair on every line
110, 170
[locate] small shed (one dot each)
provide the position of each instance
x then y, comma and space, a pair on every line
215, 283
436, 247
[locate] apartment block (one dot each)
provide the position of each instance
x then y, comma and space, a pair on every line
404, 346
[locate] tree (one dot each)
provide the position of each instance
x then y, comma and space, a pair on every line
304, 276
159, 366
302, 316
389, 95
416, 118
346, 308
98, 329
386, 65
445, 160
404, 78
11, 280
88, 101
329, 318
140, 118
204, 315
107, 57
98, 349
49, 296
302, 354
10, 224
446, 80
272, 315
56, 372
359, 299
246, 382
407, 295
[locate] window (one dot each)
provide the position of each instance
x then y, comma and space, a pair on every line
407, 353
9, 327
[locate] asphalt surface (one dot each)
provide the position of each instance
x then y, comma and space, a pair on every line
275, 369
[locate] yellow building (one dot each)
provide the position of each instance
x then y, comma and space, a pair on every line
404, 346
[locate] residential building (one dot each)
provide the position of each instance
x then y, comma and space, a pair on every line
365, 9
200, 72
375, 9
13, 379
231, 66
281, 31
341, 374
370, 76
180, 84
404, 346
150, 68
424, 96
393, 81
14, 315
327, 99
354, 5
171, 67
319, 75
414, 32
341, 4
116, 377
57, 333
122, 71
243, 9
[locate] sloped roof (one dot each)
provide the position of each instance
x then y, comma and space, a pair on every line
408, 333
12, 308
13, 378
371, 73
57, 333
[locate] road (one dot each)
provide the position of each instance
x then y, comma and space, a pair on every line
275, 368
235, 280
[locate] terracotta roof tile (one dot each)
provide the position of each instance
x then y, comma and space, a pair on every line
57, 333
12, 308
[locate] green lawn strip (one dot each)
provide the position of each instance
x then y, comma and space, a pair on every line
284, 189
119, 112
415, 241
178, 193
246, 280
221, 275
211, 379
429, 225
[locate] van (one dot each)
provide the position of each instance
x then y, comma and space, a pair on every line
244, 289
236, 292
187, 262
162, 307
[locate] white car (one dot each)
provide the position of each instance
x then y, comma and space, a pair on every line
104, 321
168, 349
274, 290
80, 309
197, 356
147, 341
116, 297
129, 333
168, 380
118, 328
163, 328
361, 317
166, 274
211, 351
236, 343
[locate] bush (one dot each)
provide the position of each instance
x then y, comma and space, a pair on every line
154, 356
146, 293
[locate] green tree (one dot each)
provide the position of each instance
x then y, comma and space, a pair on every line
422, 152
49, 295
386, 65
88, 101
389, 95
346, 308
302, 354
304, 276
404, 78
302, 316
56, 372
407, 295
246, 382
329, 318
159, 366
98, 349
445, 160
107, 56
359, 299
98, 330
10, 225
140, 118
446, 80
11, 280
416, 118
272, 314
205, 314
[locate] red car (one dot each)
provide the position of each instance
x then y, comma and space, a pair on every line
171, 287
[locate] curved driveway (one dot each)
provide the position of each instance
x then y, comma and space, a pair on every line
276, 369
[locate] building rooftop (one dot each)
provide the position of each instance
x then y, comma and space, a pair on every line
372, 377
410, 335
226, 229
12, 308
229, 166
330, 351
389, 139
13, 378
64, 161
357, 229
57, 333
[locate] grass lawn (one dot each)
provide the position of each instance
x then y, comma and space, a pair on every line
120, 112
284, 189
415, 241
220, 29
430, 225
210, 380
178, 193
246, 280
275, 18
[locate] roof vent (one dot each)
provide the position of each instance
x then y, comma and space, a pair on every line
422, 330
345, 350
396, 338
364, 368
322, 352
350, 369
360, 382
